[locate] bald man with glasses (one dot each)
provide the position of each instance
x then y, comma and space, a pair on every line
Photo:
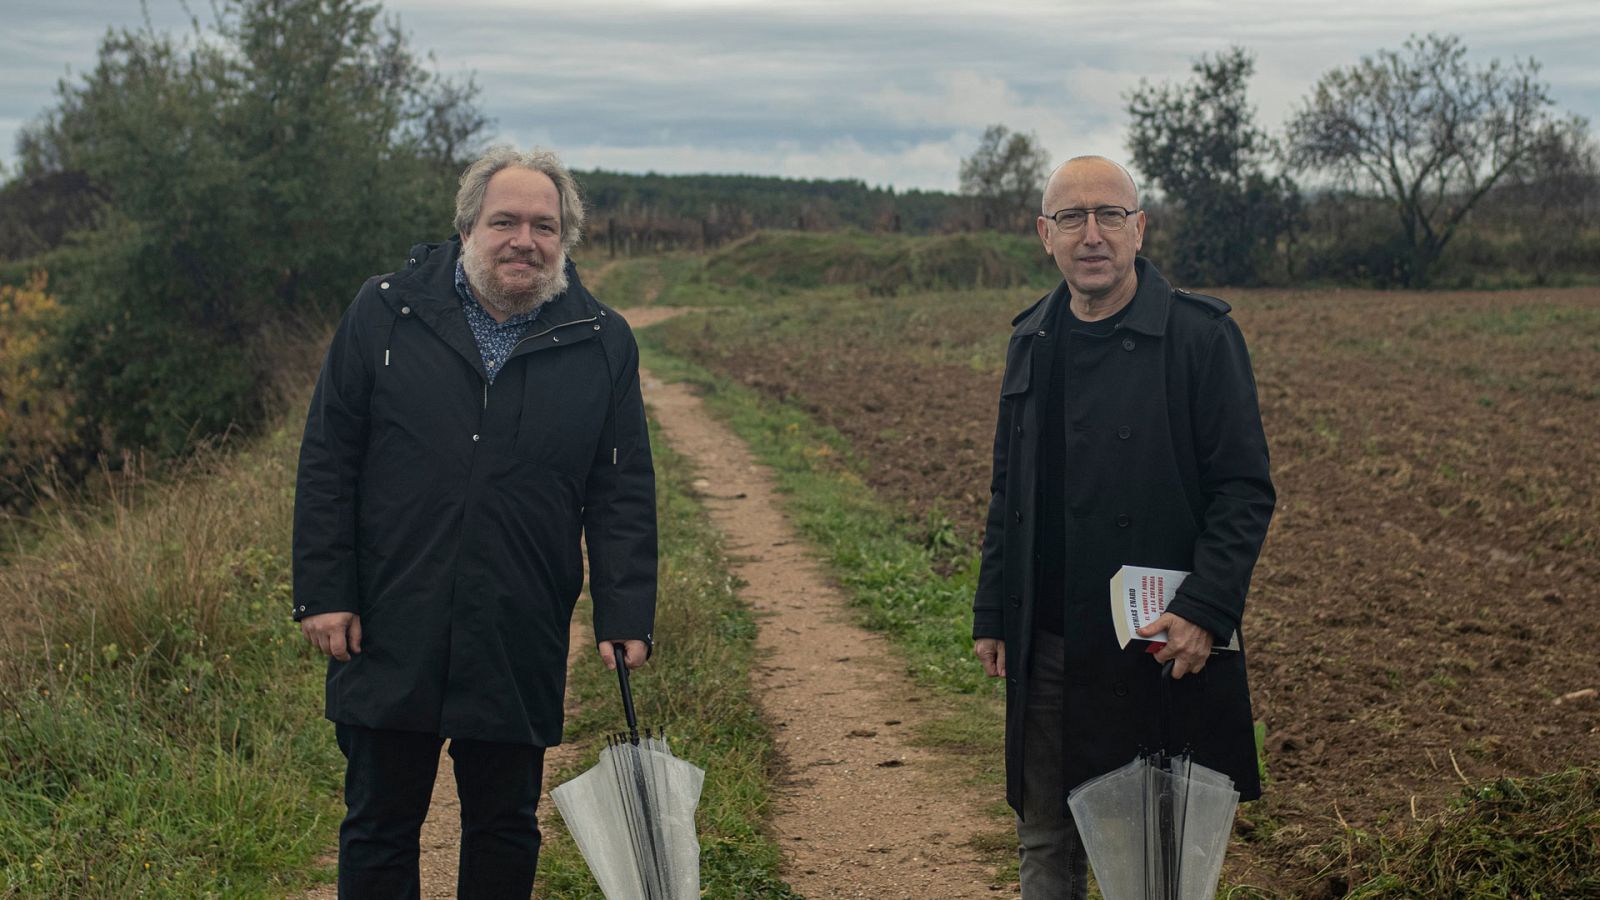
1128, 434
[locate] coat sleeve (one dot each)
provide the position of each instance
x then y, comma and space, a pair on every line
988, 611
331, 451
619, 516
1235, 482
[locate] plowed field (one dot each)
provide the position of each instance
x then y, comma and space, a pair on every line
1426, 597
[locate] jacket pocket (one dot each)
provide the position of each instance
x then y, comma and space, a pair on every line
1019, 368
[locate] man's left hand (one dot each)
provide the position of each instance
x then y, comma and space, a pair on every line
636, 654
1187, 643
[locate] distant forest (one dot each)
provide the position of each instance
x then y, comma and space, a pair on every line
633, 213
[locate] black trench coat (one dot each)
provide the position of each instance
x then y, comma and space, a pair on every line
1172, 468
447, 511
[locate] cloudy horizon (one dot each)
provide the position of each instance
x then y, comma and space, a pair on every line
891, 93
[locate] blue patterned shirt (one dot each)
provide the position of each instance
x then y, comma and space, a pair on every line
495, 340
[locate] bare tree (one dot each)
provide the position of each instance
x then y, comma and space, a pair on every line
1006, 174
1427, 132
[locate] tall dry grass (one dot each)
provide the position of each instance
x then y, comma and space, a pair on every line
160, 727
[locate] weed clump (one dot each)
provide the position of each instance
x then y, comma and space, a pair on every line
1532, 837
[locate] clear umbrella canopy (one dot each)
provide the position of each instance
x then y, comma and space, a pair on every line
632, 814
1156, 828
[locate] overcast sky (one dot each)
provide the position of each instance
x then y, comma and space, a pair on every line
893, 93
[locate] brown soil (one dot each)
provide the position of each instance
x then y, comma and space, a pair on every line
1425, 597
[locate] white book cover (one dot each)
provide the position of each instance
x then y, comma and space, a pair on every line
1139, 595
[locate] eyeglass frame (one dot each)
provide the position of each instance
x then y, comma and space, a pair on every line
1095, 212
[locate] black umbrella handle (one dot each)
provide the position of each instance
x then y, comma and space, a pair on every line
619, 652
1167, 718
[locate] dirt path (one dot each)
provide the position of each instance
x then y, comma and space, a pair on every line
860, 811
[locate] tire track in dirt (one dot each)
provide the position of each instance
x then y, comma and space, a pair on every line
859, 810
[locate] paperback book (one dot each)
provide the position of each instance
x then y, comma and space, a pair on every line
1139, 595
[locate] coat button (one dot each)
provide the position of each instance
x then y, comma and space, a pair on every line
1041, 334
405, 310
384, 285
1019, 430
1018, 514
474, 439
597, 326
1016, 600
1120, 689
1123, 521
1127, 343
1124, 431
554, 339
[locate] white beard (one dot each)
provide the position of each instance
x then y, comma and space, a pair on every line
492, 290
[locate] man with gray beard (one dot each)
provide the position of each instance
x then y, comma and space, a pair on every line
477, 414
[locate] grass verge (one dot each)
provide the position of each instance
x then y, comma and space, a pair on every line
697, 686
160, 717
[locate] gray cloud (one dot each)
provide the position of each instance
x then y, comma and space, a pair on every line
892, 94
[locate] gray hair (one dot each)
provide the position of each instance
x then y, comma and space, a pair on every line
475, 182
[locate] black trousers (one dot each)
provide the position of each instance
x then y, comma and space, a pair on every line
388, 782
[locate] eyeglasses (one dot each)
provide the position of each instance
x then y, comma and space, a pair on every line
1109, 218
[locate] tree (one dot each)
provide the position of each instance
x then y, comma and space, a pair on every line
1428, 133
249, 173
1199, 143
1553, 204
1006, 174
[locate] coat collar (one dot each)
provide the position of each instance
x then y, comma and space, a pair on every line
426, 288
1148, 313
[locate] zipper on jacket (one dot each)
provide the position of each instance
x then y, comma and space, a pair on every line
550, 329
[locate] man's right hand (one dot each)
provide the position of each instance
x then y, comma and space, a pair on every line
992, 653
336, 634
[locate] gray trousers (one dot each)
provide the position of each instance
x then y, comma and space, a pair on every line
1054, 865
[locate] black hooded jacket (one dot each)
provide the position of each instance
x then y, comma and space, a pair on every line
447, 511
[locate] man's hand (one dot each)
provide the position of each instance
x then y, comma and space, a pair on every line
1187, 643
336, 634
992, 653
635, 654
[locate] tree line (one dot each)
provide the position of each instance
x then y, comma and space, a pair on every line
1382, 169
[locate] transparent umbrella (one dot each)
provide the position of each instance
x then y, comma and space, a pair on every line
1157, 828
632, 814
